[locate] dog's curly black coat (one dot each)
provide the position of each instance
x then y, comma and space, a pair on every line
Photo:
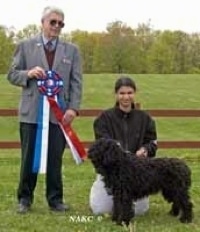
130, 178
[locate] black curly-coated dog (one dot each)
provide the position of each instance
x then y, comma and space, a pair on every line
130, 178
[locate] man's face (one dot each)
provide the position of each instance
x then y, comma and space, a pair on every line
52, 25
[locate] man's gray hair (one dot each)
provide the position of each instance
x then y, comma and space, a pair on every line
52, 9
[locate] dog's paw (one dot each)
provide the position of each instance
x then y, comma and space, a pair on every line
185, 220
114, 218
117, 220
174, 213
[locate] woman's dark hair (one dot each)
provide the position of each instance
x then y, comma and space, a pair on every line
124, 81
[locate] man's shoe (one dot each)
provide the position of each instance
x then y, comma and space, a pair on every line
23, 208
60, 207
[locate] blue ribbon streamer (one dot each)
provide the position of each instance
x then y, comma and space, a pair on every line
38, 141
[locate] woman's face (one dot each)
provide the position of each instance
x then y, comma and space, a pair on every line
125, 97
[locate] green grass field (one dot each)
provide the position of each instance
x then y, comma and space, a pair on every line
154, 91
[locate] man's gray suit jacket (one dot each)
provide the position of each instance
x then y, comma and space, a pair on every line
67, 63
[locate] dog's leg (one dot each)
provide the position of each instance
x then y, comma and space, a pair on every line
186, 208
116, 215
171, 196
180, 203
122, 210
127, 209
175, 209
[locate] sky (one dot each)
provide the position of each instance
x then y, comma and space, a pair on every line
94, 15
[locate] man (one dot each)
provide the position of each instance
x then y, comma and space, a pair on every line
31, 59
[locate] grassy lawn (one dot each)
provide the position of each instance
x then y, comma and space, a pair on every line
77, 182
154, 91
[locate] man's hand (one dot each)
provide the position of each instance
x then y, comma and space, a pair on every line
69, 116
36, 72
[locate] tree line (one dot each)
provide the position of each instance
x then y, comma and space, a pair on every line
120, 49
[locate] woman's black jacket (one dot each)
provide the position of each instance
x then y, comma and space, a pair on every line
133, 130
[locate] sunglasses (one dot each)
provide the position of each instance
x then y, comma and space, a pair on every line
55, 22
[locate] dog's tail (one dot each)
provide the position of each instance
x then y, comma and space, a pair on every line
187, 175
189, 180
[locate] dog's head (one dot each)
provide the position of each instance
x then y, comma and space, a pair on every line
105, 153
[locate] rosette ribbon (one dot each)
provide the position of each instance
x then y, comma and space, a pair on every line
49, 87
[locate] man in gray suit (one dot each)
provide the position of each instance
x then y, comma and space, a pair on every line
30, 61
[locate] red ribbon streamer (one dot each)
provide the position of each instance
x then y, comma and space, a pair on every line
67, 128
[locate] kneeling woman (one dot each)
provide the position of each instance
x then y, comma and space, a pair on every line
134, 129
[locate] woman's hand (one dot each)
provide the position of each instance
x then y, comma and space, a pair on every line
142, 152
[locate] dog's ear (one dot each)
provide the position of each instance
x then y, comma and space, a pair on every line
96, 150
113, 153
92, 151
105, 151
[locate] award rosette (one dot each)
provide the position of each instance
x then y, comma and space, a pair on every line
49, 86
